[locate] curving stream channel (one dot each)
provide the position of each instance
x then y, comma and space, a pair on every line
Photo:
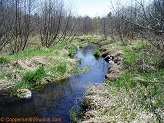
56, 99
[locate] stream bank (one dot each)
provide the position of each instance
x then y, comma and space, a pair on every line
55, 61
55, 100
122, 98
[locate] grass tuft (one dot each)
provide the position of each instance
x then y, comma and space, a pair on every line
62, 68
35, 77
4, 60
73, 116
20, 85
73, 51
97, 54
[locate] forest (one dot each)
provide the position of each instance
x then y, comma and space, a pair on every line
39, 38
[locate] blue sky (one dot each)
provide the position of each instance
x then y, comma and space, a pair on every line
94, 7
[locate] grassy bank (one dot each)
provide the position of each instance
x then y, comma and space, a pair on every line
37, 66
55, 63
137, 95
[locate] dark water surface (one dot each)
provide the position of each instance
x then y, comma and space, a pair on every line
55, 100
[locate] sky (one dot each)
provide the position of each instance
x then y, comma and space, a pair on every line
94, 8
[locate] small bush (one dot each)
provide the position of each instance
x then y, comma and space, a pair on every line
73, 51
35, 77
4, 60
97, 54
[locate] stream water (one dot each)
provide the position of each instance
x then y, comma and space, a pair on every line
56, 99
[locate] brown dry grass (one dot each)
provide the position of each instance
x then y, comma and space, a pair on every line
109, 104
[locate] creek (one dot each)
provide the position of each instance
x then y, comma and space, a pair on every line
56, 99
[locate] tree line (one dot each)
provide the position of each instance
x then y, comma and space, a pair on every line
139, 20
54, 23
20, 19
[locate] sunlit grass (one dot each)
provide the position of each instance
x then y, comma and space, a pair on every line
20, 85
32, 51
35, 77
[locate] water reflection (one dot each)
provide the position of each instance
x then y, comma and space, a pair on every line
55, 100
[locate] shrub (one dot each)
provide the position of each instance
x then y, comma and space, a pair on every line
73, 51
97, 54
35, 77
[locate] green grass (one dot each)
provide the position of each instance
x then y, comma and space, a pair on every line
59, 71
35, 77
140, 46
60, 64
125, 81
32, 51
73, 116
62, 68
20, 85
73, 51
4, 60
130, 59
97, 54
6, 74
82, 44
147, 94
151, 93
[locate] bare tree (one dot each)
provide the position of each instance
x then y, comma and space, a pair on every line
15, 23
22, 24
50, 23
